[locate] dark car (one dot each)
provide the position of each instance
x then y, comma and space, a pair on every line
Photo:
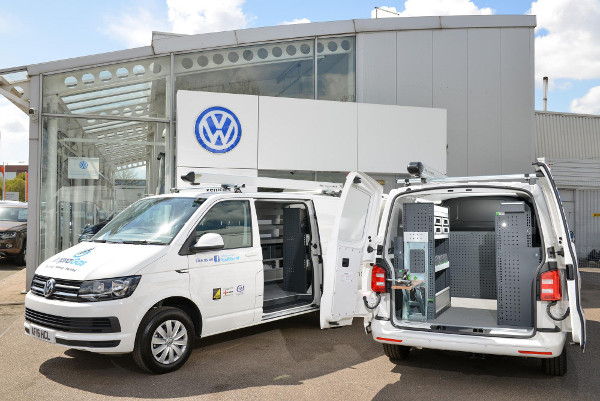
90, 230
13, 230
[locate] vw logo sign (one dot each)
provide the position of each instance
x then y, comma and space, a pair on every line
83, 165
218, 130
49, 287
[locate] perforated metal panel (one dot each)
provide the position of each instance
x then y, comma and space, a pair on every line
398, 254
473, 264
294, 251
516, 264
417, 261
515, 278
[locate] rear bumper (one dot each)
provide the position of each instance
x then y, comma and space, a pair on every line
541, 345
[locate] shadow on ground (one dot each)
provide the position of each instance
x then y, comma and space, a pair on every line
291, 351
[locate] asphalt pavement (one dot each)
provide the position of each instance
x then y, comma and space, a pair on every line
290, 359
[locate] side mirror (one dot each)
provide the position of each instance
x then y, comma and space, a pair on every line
208, 242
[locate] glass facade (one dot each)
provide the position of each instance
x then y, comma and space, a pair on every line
118, 118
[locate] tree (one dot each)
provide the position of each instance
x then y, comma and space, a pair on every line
17, 184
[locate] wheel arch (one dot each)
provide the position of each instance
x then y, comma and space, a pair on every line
186, 305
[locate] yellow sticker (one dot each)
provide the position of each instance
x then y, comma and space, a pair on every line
216, 293
595, 214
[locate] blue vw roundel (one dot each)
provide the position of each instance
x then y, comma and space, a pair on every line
218, 130
83, 165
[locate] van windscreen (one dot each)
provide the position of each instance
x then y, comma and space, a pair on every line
152, 221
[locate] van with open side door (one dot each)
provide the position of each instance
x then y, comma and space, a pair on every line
474, 264
172, 268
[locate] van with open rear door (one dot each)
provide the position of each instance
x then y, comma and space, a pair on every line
474, 264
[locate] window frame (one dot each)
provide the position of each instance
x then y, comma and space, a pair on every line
193, 238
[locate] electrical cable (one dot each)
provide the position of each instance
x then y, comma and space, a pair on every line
367, 302
551, 304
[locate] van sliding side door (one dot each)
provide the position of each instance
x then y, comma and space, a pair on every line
351, 245
578, 323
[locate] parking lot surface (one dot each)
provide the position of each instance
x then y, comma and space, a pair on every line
290, 359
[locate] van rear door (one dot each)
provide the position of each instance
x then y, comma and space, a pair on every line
578, 323
351, 245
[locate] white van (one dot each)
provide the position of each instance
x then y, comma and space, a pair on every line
480, 264
171, 268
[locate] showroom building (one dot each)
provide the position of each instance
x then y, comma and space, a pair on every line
456, 92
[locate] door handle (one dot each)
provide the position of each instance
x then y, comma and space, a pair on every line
251, 253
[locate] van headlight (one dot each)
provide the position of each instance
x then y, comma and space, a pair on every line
108, 289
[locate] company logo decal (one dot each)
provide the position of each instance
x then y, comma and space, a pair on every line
83, 253
240, 288
83, 165
216, 294
49, 287
75, 260
218, 130
218, 259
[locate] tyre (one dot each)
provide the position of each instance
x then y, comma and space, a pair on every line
556, 366
396, 352
164, 340
20, 258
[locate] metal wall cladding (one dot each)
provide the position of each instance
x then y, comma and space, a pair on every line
575, 173
587, 225
567, 136
483, 77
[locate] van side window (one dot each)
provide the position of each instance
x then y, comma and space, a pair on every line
230, 219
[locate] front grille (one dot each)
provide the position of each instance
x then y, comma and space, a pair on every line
65, 290
74, 324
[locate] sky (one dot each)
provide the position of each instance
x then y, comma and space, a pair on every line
567, 36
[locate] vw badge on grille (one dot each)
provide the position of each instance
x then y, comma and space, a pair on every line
49, 287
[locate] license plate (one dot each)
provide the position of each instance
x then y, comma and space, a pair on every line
42, 333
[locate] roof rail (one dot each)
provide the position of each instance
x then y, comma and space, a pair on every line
237, 182
511, 177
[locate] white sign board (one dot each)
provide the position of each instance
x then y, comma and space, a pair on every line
225, 131
217, 130
86, 168
12, 196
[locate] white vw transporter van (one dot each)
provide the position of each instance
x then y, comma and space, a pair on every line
189, 264
480, 264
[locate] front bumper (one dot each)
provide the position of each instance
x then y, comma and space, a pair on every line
46, 317
541, 345
9, 247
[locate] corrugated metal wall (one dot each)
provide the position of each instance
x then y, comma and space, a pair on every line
575, 173
567, 136
571, 145
587, 224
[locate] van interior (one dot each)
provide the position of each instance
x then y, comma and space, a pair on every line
474, 270
285, 238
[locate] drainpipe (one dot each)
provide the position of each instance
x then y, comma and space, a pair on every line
545, 98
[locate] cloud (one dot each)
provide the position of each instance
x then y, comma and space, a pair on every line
201, 16
569, 47
416, 8
587, 104
14, 126
134, 27
295, 21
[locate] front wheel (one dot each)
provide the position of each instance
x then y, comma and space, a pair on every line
556, 366
396, 352
164, 340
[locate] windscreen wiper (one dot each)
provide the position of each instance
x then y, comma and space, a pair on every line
143, 242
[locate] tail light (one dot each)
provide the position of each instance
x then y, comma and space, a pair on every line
378, 279
550, 286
